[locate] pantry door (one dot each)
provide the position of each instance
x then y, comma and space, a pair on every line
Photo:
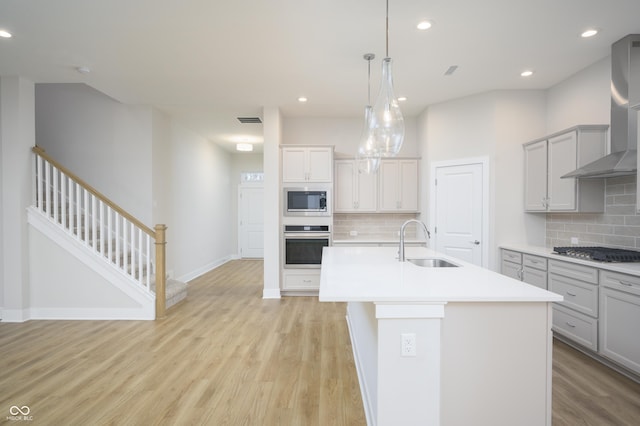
460, 210
251, 222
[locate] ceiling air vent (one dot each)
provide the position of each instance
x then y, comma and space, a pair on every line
250, 120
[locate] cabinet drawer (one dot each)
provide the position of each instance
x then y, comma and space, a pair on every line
578, 295
622, 282
532, 261
301, 282
512, 256
534, 277
579, 328
573, 270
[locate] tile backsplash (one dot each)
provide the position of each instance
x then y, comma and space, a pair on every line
371, 226
618, 226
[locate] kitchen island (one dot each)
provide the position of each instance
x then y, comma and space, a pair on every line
442, 346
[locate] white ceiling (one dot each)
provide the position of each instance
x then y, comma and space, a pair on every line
207, 62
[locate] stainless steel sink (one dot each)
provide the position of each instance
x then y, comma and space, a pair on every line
432, 263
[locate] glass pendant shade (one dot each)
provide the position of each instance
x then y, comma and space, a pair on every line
387, 123
367, 157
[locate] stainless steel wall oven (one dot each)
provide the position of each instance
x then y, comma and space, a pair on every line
303, 245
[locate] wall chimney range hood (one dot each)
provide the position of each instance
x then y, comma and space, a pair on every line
625, 93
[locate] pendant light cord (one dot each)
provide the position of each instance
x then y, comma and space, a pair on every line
369, 82
387, 45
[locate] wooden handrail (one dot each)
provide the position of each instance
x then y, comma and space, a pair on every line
41, 152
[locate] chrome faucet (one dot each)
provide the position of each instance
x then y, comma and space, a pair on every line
404, 225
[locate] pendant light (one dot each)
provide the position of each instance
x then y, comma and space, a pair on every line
387, 123
367, 157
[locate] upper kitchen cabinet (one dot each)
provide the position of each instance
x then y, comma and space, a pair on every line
398, 185
355, 192
307, 164
546, 160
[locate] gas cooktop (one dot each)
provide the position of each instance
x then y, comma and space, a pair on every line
602, 254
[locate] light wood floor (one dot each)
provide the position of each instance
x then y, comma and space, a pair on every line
225, 356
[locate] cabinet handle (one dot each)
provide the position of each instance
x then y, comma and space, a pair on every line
476, 242
571, 325
628, 284
520, 271
306, 281
571, 294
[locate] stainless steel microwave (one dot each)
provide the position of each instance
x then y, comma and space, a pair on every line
307, 201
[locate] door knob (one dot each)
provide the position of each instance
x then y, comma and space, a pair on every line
476, 242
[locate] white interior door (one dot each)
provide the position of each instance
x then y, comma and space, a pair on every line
251, 223
459, 210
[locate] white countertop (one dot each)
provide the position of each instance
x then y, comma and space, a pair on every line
632, 268
373, 274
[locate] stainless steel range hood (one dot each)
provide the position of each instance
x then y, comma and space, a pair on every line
625, 92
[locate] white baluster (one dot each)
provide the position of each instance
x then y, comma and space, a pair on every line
47, 202
125, 241
140, 271
40, 182
101, 227
86, 217
133, 250
94, 230
109, 233
78, 197
55, 194
117, 258
148, 251
63, 200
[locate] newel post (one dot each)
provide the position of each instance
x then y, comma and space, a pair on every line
161, 270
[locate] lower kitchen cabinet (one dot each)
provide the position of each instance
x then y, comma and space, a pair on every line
600, 311
301, 280
576, 326
525, 267
620, 319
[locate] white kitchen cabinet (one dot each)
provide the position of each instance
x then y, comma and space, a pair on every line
301, 280
307, 164
525, 267
549, 158
355, 192
398, 185
576, 317
620, 318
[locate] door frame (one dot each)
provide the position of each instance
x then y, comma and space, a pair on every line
484, 162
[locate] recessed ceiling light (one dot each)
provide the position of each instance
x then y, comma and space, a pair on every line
424, 25
83, 70
527, 73
302, 99
245, 147
589, 33
402, 98
5, 34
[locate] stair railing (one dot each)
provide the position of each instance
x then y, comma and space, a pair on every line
101, 225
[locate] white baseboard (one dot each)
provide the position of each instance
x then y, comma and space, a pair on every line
14, 315
92, 314
271, 293
204, 269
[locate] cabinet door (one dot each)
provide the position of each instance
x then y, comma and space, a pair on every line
408, 189
535, 176
511, 269
534, 277
619, 328
367, 192
319, 164
398, 185
293, 164
563, 154
345, 187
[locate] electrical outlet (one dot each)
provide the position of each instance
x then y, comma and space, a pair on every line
408, 347
353, 233
574, 240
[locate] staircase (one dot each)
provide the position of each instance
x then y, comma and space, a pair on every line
98, 230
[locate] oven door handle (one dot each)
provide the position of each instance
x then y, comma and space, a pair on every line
301, 235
